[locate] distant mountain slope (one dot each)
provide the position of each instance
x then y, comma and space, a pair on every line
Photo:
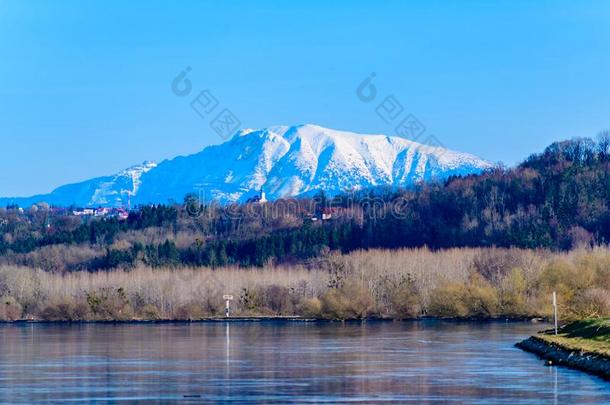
282, 161
108, 191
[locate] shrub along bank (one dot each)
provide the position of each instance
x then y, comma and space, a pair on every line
408, 283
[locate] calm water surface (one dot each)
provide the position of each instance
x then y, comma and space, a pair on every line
418, 362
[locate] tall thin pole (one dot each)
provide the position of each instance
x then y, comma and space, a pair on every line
227, 298
555, 309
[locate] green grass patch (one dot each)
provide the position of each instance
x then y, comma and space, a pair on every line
588, 335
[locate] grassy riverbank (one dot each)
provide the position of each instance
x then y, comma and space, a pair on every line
584, 345
590, 335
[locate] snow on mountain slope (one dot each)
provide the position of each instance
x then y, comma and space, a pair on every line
290, 161
117, 190
109, 191
282, 161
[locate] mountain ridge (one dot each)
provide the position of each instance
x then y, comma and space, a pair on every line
281, 160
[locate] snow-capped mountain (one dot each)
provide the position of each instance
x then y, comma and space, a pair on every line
283, 161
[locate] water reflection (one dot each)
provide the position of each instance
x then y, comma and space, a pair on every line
284, 362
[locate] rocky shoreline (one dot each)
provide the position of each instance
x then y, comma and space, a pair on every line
590, 362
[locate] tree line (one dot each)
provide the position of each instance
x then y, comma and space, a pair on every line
557, 200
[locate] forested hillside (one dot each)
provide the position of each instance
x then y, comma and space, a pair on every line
557, 199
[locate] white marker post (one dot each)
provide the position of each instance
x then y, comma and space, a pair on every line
555, 309
228, 299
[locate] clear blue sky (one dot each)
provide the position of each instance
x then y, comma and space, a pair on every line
85, 85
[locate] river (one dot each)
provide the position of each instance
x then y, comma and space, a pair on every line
283, 362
